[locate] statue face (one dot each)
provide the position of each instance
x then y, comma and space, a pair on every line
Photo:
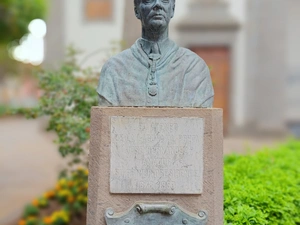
155, 14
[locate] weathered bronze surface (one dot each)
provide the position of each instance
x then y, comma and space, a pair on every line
155, 71
155, 214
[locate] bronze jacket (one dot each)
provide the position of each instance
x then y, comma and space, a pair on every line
170, 77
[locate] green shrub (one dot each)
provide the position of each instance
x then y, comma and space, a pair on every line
3, 110
6, 110
263, 188
68, 95
15, 15
69, 92
31, 210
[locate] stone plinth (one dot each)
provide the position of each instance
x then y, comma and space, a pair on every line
173, 154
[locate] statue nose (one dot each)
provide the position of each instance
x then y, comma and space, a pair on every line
157, 5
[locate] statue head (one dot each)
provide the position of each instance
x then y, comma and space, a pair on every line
154, 14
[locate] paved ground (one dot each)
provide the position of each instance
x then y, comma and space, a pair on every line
29, 161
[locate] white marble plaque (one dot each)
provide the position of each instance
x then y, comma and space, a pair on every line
156, 155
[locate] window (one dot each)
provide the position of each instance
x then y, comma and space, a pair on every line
98, 9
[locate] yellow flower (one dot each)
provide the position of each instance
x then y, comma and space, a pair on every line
80, 168
62, 182
43, 202
47, 220
60, 215
21, 222
31, 218
86, 172
82, 199
64, 193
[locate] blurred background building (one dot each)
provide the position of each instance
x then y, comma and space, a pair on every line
252, 48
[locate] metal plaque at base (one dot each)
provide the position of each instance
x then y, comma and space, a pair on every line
155, 214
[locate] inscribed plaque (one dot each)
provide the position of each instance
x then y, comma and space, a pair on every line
156, 155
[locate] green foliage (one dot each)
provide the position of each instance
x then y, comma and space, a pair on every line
15, 15
6, 110
263, 188
8, 66
3, 110
68, 95
31, 210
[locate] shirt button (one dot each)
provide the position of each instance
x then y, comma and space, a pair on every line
152, 90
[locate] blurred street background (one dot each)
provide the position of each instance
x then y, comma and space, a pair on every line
251, 46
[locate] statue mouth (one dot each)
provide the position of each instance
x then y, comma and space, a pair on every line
158, 16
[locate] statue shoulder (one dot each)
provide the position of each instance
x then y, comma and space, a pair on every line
192, 59
117, 61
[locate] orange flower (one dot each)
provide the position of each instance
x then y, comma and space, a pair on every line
21, 222
58, 187
71, 199
49, 194
35, 202
70, 183
47, 220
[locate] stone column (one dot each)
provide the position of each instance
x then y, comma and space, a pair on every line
293, 92
267, 67
55, 34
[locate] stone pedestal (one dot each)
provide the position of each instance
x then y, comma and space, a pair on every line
174, 156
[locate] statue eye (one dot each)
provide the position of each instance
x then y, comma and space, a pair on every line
147, 1
165, 1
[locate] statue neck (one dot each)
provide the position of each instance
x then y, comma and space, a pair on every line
155, 35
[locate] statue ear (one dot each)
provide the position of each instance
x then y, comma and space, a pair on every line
137, 13
173, 10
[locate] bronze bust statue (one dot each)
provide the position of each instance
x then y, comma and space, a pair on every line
155, 71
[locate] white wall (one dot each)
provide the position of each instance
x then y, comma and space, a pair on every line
293, 60
92, 36
238, 94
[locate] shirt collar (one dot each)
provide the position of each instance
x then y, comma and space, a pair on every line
162, 45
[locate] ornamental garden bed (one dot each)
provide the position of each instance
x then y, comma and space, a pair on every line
65, 204
262, 188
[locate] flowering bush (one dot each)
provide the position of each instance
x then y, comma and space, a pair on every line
259, 189
69, 197
58, 218
68, 95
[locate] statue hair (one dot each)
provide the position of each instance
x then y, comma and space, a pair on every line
136, 2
